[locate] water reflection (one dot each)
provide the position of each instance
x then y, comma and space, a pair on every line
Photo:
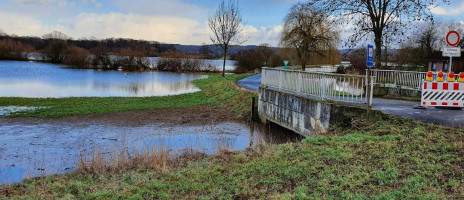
217, 64
30, 79
34, 150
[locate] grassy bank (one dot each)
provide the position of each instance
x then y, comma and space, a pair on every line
369, 157
215, 90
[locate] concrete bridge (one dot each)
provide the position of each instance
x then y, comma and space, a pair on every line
308, 102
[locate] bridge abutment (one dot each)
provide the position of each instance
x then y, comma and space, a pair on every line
305, 116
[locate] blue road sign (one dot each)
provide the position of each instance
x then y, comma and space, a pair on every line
370, 56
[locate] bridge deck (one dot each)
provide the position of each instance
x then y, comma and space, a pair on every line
447, 117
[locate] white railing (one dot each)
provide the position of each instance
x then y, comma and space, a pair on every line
395, 78
326, 86
322, 69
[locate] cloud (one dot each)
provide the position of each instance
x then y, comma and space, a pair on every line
450, 11
175, 8
166, 21
157, 28
260, 35
22, 25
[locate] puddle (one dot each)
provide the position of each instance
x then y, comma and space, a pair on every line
6, 110
31, 150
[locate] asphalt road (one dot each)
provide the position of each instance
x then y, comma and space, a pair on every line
443, 116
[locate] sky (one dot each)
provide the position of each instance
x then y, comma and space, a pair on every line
168, 21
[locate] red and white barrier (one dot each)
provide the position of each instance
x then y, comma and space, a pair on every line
450, 94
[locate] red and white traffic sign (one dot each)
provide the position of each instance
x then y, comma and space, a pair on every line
453, 38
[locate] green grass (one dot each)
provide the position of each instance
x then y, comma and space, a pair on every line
368, 157
216, 90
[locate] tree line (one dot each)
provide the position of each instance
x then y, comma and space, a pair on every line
57, 47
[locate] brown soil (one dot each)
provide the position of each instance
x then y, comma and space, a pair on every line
201, 115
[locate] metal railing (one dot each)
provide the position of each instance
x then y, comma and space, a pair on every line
395, 78
326, 86
322, 69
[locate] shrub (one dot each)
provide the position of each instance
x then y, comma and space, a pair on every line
357, 59
131, 63
55, 51
77, 57
183, 65
131, 60
249, 60
341, 69
14, 50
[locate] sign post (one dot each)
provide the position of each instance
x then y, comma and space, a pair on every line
369, 64
286, 64
452, 39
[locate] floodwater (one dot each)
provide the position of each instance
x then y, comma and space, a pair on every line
6, 110
32, 150
42, 80
217, 64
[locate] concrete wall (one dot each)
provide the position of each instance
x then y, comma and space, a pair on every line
303, 115
380, 91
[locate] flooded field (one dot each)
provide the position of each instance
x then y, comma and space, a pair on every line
43, 80
36, 149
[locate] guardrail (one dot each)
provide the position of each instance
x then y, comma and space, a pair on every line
395, 78
326, 86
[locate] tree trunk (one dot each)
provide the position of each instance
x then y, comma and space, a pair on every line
224, 63
378, 49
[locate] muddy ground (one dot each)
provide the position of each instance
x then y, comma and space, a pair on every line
201, 115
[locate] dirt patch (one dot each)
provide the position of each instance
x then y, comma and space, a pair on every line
201, 115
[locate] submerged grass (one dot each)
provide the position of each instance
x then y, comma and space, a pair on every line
215, 90
368, 157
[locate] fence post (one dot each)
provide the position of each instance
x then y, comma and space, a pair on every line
371, 93
299, 82
395, 77
324, 83
368, 88
367, 85
281, 74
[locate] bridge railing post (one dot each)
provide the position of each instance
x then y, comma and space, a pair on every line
263, 75
324, 83
281, 78
299, 82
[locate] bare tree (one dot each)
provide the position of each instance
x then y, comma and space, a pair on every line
226, 25
266, 53
378, 16
56, 35
307, 30
428, 39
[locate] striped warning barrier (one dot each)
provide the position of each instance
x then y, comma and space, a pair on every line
442, 94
